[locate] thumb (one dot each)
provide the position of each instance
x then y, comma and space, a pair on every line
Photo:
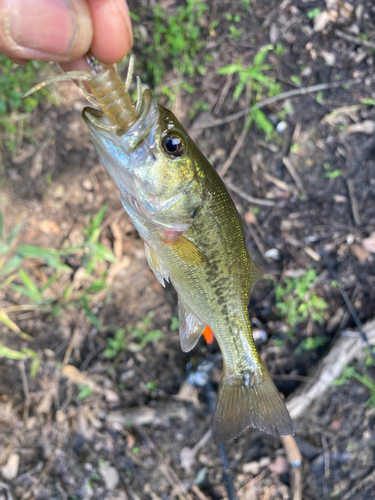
54, 30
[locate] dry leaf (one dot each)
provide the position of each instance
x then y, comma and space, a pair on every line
250, 217
49, 226
37, 165
369, 243
361, 253
73, 374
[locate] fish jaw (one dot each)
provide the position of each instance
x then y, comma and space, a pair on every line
129, 158
160, 189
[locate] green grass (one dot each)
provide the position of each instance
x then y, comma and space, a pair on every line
14, 82
297, 301
348, 373
56, 295
257, 82
177, 42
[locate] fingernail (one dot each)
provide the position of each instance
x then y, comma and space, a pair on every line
48, 26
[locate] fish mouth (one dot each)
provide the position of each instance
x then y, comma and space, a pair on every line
96, 120
124, 154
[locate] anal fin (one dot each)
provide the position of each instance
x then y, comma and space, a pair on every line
156, 265
191, 327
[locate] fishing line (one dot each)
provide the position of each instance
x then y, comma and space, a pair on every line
199, 376
348, 302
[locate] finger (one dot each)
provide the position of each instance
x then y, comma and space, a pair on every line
80, 64
55, 30
113, 36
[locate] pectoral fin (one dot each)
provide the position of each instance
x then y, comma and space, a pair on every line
156, 265
191, 327
188, 251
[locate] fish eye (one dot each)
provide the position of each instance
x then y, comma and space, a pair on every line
173, 145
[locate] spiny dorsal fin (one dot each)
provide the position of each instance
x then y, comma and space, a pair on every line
156, 265
250, 399
191, 328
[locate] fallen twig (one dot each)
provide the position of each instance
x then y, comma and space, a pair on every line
165, 468
248, 197
199, 493
353, 202
342, 353
228, 162
355, 39
276, 98
370, 478
187, 455
294, 175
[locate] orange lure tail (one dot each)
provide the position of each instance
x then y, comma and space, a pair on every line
208, 334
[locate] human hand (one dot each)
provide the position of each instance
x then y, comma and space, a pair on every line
64, 31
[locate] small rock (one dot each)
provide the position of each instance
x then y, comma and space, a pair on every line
272, 253
329, 57
109, 475
321, 21
10, 469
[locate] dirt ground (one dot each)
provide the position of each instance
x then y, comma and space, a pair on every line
129, 435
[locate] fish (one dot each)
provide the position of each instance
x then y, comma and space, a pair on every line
194, 238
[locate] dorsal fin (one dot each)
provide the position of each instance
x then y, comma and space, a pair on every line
156, 265
191, 327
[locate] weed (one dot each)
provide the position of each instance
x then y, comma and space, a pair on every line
296, 79
368, 101
84, 391
26, 353
319, 97
152, 385
116, 344
280, 49
175, 323
50, 297
198, 106
143, 335
313, 13
311, 344
14, 82
177, 40
350, 372
256, 79
297, 302
331, 174
234, 32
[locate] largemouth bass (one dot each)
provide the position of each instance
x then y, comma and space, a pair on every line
194, 238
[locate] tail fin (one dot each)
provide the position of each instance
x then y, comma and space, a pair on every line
250, 399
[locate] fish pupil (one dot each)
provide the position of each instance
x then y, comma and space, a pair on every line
173, 145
